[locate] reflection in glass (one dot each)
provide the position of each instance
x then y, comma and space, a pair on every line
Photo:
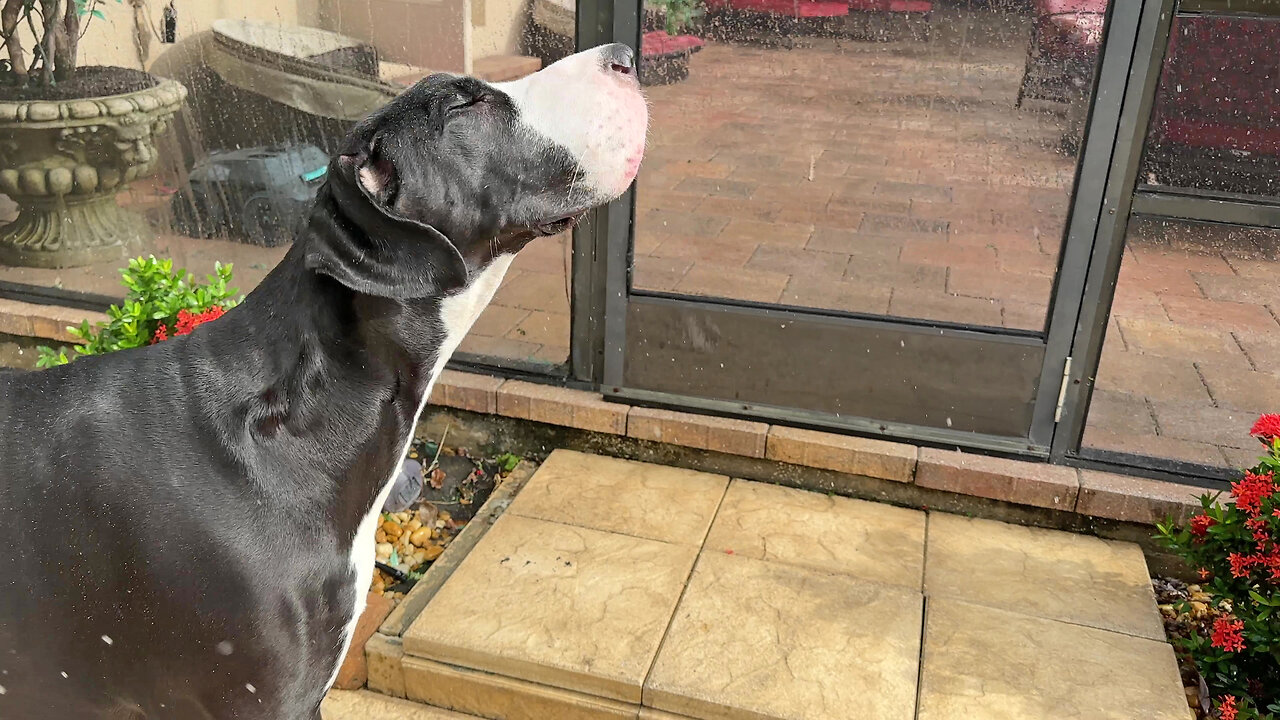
272, 89
1189, 359
908, 158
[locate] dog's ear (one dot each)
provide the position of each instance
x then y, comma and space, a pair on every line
358, 241
374, 168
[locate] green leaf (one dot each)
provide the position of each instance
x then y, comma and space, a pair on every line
98, 14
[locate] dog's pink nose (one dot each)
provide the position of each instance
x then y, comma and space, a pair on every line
620, 58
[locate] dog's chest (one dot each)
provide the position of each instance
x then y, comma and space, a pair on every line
457, 314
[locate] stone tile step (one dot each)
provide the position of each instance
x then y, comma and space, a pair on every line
364, 705
612, 589
986, 664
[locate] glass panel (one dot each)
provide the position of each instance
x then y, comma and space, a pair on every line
272, 89
904, 157
1213, 125
1189, 359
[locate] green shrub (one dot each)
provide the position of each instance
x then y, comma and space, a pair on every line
161, 302
1235, 549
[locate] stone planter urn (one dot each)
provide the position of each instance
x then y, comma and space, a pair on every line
63, 161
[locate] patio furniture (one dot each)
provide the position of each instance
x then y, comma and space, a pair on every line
664, 58
890, 19
1065, 36
1213, 124
774, 21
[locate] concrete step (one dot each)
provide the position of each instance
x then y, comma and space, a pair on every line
365, 705
614, 590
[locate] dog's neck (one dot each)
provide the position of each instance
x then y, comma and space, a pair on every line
332, 380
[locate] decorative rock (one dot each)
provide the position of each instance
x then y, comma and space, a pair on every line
383, 551
420, 537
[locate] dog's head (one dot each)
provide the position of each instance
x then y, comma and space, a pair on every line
457, 171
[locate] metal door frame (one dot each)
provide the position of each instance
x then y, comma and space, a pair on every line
604, 246
1126, 198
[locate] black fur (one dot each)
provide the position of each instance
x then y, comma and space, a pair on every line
194, 501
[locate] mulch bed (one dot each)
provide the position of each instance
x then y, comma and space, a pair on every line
1185, 608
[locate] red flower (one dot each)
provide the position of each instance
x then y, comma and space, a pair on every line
1267, 429
1227, 707
162, 334
1200, 525
1252, 490
1227, 634
187, 321
1204, 573
1258, 525
1240, 564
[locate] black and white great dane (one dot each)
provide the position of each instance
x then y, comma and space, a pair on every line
186, 530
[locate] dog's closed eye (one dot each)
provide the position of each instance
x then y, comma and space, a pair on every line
462, 102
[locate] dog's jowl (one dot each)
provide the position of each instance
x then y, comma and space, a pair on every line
186, 530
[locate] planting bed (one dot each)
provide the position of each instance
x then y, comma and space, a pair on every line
455, 483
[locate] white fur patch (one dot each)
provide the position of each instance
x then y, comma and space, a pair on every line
457, 314
597, 114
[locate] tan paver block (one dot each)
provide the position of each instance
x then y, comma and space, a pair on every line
842, 453
494, 696
561, 406
705, 432
986, 664
384, 655
651, 714
867, 540
1124, 497
467, 391
765, 641
1026, 483
631, 498
362, 705
1046, 573
558, 605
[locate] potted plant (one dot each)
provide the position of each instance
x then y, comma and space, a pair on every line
71, 137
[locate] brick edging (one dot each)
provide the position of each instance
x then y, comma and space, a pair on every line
43, 322
1085, 492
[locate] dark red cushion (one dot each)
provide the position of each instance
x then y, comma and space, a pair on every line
659, 42
903, 6
1058, 7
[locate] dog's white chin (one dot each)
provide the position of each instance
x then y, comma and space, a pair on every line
597, 114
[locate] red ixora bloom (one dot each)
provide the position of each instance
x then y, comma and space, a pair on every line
187, 321
1250, 492
1203, 573
1200, 525
1258, 526
1267, 428
1240, 564
1228, 634
1227, 707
